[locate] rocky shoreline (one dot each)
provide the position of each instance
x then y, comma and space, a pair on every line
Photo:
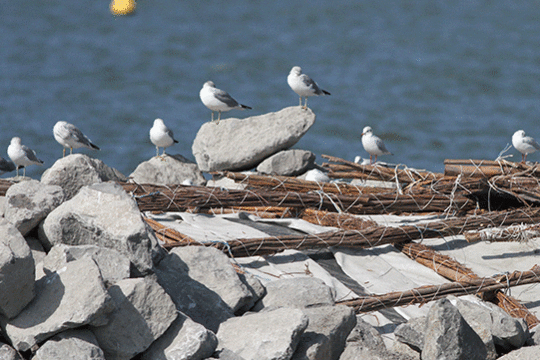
84, 276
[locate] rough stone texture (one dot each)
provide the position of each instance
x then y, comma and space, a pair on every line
448, 336
29, 202
237, 144
36, 248
525, 353
288, 163
103, 215
71, 344
191, 297
226, 354
9, 353
296, 293
72, 297
75, 171
170, 169
113, 265
327, 331
535, 336
184, 339
143, 313
268, 335
412, 333
220, 277
255, 287
17, 271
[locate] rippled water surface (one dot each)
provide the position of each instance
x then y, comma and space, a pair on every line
434, 79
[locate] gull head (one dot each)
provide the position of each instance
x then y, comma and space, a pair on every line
209, 84
519, 134
16, 141
367, 130
158, 122
297, 70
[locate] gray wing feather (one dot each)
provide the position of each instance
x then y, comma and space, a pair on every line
311, 84
77, 134
31, 154
224, 97
381, 146
530, 141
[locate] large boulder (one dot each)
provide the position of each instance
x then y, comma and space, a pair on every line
220, 277
104, 215
75, 171
169, 169
288, 163
525, 353
71, 344
237, 144
17, 271
143, 313
9, 353
268, 335
29, 202
70, 298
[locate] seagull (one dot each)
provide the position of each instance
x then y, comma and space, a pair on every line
373, 144
22, 155
524, 144
161, 136
218, 100
6, 166
303, 85
69, 136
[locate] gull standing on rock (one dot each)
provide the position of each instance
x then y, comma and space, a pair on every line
303, 85
22, 155
373, 144
218, 100
69, 136
524, 144
161, 136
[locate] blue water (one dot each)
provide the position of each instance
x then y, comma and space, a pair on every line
434, 79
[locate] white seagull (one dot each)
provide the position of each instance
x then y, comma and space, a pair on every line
218, 100
524, 144
161, 136
373, 144
6, 166
22, 155
303, 85
69, 136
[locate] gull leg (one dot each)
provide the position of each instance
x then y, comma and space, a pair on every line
219, 117
24, 172
70, 151
370, 159
64, 152
305, 104
17, 171
300, 101
212, 116
375, 158
523, 158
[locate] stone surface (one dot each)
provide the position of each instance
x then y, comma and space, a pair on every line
113, 265
412, 333
263, 336
448, 336
525, 353
191, 297
226, 354
38, 252
535, 336
327, 331
29, 202
237, 144
255, 287
75, 171
184, 339
17, 271
103, 215
71, 344
8, 353
220, 277
288, 163
170, 169
72, 297
143, 313
296, 293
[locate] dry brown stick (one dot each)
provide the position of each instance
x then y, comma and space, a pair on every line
425, 294
486, 168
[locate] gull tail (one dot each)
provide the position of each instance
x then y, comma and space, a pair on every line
95, 147
176, 141
245, 107
325, 92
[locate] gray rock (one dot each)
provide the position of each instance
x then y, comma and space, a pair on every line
171, 169
237, 144
113, 265
72, 297
38, 252
75, 171
256, 289
184, 339
226, 354
448, 336
103, 215
143, 313
191, 297
9, 353
535, 336
525, 353
412, 333
71, 344
296, 293
3, 205
402, 351
29, 202
17, 271
220, 277
269, 335
288, 163
327, 331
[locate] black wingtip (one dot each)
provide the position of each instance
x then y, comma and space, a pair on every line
95, 147
176, 141
326, 92
245, 107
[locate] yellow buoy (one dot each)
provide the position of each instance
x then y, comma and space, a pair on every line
122, 7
